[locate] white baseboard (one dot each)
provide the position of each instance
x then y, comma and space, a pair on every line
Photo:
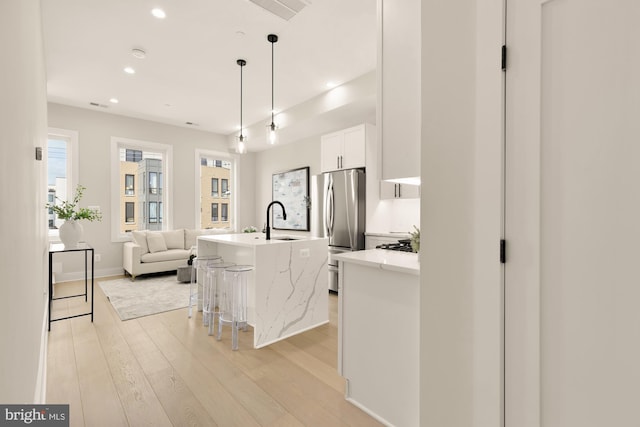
40, 394
79, 275
369, 412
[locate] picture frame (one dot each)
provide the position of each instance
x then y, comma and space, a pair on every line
291, 188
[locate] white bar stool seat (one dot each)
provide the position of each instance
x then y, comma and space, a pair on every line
233, 301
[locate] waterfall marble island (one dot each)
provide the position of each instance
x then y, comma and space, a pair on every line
287, 290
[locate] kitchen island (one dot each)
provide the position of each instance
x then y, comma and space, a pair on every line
287, 290
378, 333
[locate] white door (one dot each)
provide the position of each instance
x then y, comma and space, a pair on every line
572, 213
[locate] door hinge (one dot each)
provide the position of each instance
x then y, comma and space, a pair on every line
503, 251
503, 61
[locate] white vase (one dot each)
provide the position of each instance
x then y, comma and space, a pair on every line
70, 233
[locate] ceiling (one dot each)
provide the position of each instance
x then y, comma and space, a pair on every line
190, 73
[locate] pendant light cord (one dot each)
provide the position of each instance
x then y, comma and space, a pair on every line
241, 63
272, 114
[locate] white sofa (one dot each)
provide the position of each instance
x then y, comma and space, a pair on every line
158, 251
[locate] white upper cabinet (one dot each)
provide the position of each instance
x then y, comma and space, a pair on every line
399, 75
345, 149
392, 190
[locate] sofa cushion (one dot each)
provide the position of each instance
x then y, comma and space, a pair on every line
174, 239
140, 239
156, 242
190, 237
168, 255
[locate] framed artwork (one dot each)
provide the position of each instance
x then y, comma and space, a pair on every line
291, 188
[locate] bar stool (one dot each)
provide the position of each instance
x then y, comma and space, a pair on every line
211, 291
199, 264
233, 301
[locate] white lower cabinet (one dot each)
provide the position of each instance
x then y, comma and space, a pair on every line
378, 341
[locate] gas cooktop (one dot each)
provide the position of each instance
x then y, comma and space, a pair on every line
401, 245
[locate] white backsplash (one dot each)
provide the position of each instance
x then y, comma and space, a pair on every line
387, 216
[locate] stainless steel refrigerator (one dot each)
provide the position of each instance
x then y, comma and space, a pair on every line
338, 213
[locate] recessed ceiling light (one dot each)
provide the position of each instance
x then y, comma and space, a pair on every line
138, 53
158, 13
114, 100
129, 70
331, 85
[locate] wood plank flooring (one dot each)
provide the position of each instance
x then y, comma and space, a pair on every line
164, 370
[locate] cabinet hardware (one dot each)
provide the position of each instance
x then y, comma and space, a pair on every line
503, 251
503, 61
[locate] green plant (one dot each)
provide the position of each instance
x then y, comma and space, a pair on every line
415, 239
69, 210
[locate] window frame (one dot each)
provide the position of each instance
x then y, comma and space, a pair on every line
215, 218
234, 159
166, 186
72, 170
224, 212
215, 189
133, 185
126, 212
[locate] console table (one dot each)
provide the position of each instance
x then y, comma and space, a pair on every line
55, 248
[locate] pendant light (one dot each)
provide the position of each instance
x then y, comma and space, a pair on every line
241, 146
272, 127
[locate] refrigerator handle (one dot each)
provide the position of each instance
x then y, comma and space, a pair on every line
350, 193
329, 212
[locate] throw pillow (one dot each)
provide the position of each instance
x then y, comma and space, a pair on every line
140, 239
156, 243
174, 239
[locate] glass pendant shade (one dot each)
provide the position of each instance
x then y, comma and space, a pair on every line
271, 133
241, 147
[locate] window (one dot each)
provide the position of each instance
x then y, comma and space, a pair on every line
225, 212
153, 212
153, 183
143, 170
225, 187
130, 212
129, 185
216, 173
214, 187
62, 172
133, 155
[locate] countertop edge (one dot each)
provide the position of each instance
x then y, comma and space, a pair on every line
383, 264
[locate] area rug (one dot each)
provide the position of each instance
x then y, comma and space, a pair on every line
145, 295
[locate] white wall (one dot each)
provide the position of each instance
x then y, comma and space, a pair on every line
461, 164
23, 219
446, 250
282, 158
95, 130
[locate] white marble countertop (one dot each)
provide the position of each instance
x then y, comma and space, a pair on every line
255, 239
403, 262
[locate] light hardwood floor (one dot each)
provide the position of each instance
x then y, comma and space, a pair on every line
165, 370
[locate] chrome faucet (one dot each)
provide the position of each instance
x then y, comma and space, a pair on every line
284, 216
